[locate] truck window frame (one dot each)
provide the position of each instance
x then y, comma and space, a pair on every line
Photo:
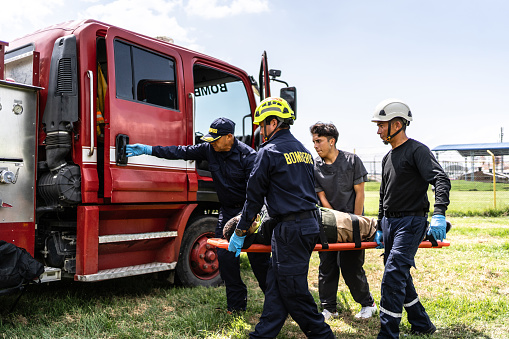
130, 69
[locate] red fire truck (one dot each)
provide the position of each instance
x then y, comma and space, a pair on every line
71, 97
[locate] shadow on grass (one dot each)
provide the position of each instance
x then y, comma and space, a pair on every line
370, 328
360, 328
453, 331
57, 296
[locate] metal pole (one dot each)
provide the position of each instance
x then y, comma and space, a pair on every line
473, 167
494, 180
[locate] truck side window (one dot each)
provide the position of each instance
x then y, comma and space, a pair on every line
220, 94
145, 76
123, 71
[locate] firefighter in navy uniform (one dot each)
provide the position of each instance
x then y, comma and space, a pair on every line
230, 162
283, 176
407, 171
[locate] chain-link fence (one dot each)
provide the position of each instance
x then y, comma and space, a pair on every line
473, 189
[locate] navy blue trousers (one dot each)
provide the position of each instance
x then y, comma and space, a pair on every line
402, 237
229, 267
287, 285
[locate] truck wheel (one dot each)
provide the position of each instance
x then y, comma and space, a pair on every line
198, 264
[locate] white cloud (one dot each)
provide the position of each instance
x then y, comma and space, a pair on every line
215, 9
150, 17
153, 18
23, 16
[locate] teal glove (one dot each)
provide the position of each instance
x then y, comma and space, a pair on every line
437, 227
379, 238
138, 149
236, 244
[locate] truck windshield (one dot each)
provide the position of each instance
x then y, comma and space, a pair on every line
220, 94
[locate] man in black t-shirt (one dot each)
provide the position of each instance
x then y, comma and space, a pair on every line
407, 171
339, 184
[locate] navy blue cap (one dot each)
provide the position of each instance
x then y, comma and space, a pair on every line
218, 128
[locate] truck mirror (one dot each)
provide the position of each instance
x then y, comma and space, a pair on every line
274, 73
290, 95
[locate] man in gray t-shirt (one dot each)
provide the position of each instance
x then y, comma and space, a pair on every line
339, 184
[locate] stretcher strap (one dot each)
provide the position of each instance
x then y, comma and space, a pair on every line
430, 237
433, 241
323, 237
356, 231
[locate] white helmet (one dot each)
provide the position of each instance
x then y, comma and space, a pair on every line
390, 109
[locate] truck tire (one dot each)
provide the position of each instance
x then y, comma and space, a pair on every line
197, 264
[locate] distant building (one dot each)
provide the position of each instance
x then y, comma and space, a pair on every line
477, 160
482, 176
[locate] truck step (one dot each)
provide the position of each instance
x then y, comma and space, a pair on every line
104, 239
127, 271
51, 274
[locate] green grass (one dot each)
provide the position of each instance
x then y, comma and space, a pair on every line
465, 200
464, 287
456, 185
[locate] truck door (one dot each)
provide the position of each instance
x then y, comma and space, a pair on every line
264, 77
144, 104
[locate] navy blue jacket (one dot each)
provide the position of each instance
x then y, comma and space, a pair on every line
230, 170
283, 175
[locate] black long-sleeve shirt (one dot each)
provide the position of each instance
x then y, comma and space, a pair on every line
407, 170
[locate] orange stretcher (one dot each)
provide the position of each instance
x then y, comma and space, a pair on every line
340, 246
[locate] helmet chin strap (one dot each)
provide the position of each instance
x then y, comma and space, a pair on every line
267, 137
389, 135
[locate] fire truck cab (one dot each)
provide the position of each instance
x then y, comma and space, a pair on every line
72, 96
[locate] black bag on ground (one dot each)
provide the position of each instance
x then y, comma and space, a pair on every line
17, 266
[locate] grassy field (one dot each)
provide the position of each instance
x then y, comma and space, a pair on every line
465, 289
467, 199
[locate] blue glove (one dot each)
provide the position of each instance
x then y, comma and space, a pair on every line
236, 244
138, 149
379, 239
437, 227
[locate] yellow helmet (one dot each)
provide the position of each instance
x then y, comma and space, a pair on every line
274, 106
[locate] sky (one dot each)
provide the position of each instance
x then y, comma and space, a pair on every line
447, 59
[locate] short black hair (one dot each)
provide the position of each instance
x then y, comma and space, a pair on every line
325, 130
283, 125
